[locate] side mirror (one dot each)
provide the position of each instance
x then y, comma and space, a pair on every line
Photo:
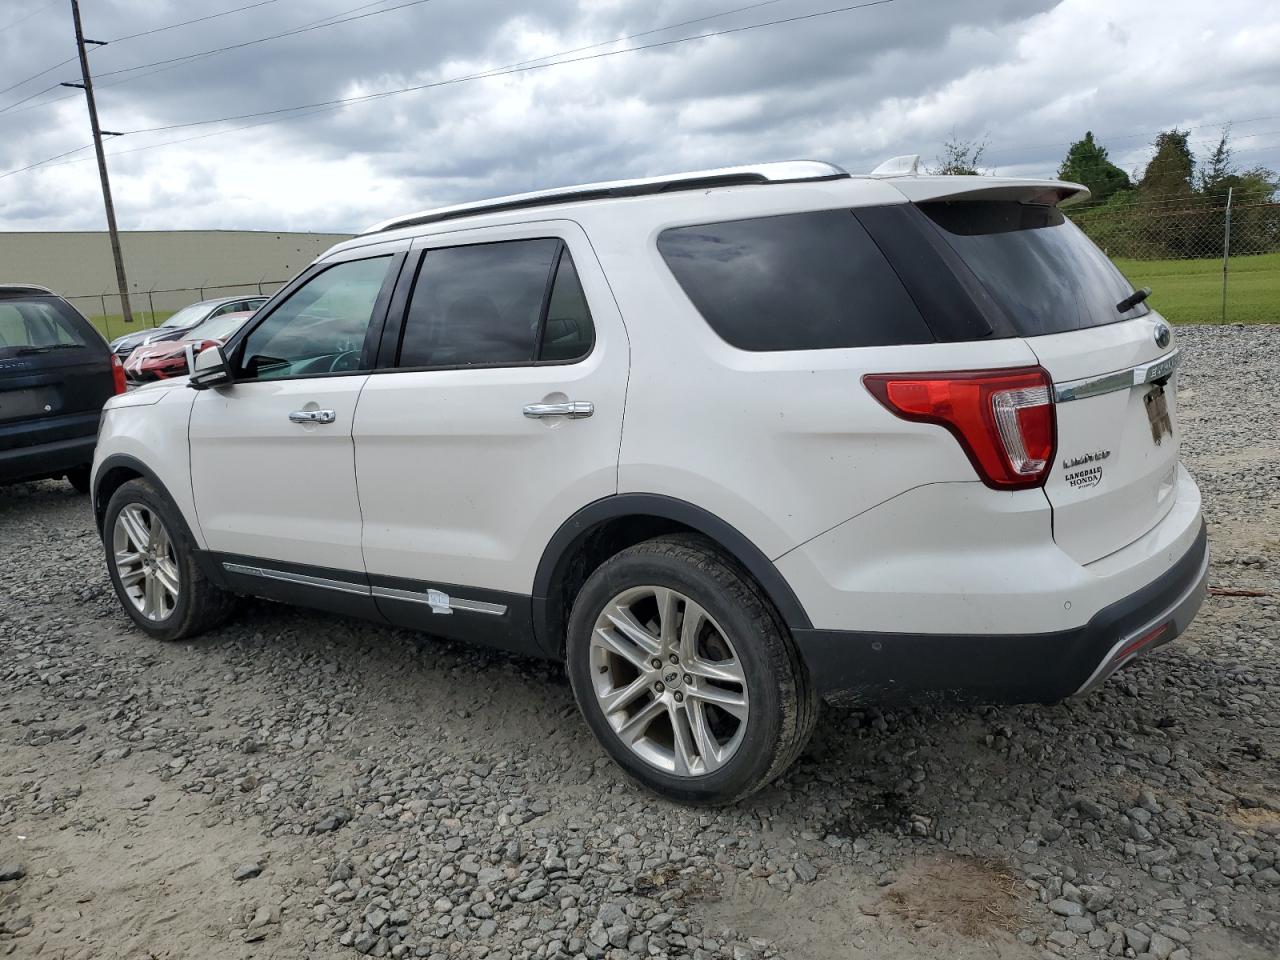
209, 370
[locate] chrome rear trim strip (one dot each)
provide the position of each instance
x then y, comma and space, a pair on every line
1157, 369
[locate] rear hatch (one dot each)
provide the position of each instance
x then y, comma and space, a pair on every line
55, 372
1113, 475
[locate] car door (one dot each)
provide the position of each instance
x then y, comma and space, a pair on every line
497, 416
272, 464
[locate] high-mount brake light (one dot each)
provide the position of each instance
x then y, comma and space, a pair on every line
117, 375
1003, 419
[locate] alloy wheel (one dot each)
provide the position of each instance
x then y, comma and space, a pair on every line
146, 562
669, 681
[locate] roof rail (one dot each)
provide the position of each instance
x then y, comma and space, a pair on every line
789, 171
23, 289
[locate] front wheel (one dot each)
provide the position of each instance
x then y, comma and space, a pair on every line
151, 559
685, 674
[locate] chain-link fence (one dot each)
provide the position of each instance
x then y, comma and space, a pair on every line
152, 307
1207, 259
1195, 228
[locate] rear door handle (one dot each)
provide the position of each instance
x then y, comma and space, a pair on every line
574, 410
313, 416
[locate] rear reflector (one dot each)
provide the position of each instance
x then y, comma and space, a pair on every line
1003, 419
117, 374
1136, 645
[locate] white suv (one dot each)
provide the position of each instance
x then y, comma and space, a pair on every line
727, 443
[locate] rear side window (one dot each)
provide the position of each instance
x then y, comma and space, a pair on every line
567, 333
38, 326
496, 304
805, 281
1043, 272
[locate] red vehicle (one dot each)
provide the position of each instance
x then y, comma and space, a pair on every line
160, 361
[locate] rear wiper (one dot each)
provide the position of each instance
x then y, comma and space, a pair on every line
1133, 299
28, 351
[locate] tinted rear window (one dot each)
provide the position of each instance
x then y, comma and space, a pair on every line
1043, 272
805, 281
38, 325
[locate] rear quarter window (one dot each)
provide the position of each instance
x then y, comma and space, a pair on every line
1045, 275
804, 281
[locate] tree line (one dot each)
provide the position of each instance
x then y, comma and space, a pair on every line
1175, 207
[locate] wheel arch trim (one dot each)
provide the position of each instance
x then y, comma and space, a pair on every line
733, 541
134, 465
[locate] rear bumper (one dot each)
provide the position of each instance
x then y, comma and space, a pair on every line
863, 667
46, 459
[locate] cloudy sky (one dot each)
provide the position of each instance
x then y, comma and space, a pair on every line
854, 87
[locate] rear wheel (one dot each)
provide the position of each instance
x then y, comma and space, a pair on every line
79, 478
151, 559
685, 674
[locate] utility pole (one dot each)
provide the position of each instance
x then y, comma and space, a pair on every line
87, 86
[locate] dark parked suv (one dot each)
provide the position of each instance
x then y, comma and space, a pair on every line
56, 372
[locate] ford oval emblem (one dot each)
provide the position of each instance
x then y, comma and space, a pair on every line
1163, 335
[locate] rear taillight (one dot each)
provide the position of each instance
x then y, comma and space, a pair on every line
117, 374
1004, 419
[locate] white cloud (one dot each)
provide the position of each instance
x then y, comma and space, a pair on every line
853, 88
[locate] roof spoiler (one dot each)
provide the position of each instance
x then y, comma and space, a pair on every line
1052, 192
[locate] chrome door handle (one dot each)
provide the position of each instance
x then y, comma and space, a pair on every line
574, 410
313, 416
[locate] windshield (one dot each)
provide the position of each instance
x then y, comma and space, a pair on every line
218, 328
187, 316
1038, 266
36, 325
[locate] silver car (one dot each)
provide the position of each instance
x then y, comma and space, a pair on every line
182, 321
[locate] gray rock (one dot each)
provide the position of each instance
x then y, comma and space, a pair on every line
12, 871
1066, 908
246, 871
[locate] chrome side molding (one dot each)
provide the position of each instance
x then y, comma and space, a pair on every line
1158, 369
437, 600
440, 602
302, 579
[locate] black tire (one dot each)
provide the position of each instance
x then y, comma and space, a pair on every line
783, 706
200, 605
79, 478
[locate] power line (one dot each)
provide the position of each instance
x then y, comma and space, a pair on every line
26, 17
522, 67
60, 63
131, 36
519, 67
591, 46
325, 21
184, 23
41, 163
319, 25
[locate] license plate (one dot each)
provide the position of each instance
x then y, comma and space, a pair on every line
25, 404
1158, 414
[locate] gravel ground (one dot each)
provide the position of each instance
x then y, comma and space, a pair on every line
297, 785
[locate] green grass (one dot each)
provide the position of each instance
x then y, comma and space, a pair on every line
112, 325
1190, 291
